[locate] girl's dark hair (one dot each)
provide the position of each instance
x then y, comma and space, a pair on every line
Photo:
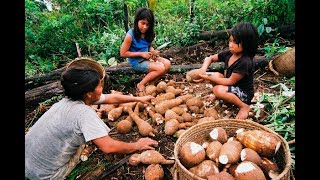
77, 81
144, 13
246, 34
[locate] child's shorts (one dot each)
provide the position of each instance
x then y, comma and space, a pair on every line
237, 91
141, 66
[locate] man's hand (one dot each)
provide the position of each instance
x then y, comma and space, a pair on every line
145, 99
146, 144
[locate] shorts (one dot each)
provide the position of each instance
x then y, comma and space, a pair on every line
241, 94
141, 66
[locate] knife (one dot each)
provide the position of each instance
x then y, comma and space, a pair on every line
113, 167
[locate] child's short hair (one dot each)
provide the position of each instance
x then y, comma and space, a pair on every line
246, 34
77, 81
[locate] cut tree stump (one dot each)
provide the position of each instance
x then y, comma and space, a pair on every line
39, 94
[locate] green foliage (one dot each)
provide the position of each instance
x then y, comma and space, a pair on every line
97, 26
84, 167
280, 109
274, 49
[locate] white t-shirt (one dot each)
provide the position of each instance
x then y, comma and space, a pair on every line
55, 137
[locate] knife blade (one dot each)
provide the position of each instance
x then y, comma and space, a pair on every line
113, 167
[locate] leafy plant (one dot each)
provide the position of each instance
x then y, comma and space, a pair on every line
274, 49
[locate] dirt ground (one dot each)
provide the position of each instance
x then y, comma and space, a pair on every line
98, 161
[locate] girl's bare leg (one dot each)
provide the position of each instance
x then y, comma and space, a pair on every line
156, 70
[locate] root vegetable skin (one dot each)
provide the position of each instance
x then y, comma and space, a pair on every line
218, 134
204, 119
145, 129
195, 101
107, 107
204, 169
161, 87
163, 106
264, 143
269, 167
191, 154
248, 154
154, 172
156, 117
211, 112
86, 152
149, 157
194, 74
221, 176
185, 97
114, 114
174, 90
171, 127
213, 150
230, 152
178, 110
170, 114
151, 90
163, 97
187, 117
179, 132
247, 170
124, 126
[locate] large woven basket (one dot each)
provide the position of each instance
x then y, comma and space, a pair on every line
86, 62
199, 133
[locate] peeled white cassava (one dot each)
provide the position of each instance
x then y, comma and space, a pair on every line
205, 168
264, 143
230, 152
247, 170
218, 134
248, 154
191, 154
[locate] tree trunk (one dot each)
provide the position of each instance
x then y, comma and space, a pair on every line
39, 94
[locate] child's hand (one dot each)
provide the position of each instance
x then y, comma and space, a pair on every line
155, 54
203, 77
146, 55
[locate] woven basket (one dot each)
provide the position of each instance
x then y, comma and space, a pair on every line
199, 133
89, 63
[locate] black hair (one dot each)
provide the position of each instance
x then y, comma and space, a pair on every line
77, 81
246, 34
144, 13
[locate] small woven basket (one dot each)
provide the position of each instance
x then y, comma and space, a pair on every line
199, 133
86, 62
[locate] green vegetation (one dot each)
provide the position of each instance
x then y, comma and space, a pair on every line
98, 27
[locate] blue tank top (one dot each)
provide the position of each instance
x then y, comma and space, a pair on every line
137, 46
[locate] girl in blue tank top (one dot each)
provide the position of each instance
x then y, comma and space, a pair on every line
137, 47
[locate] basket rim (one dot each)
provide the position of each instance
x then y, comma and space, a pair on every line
206, 123
86, 60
